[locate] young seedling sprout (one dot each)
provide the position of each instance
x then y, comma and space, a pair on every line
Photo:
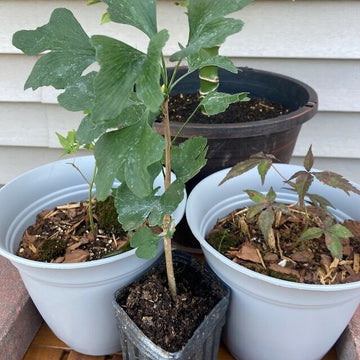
269, 209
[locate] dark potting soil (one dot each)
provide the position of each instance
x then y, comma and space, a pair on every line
169, 322
181, 106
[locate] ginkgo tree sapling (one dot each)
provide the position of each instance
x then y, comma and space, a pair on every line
122, 99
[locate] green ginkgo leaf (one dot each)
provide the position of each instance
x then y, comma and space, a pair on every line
138, 13
70, 51
208, 26
217, 102
145, 242
126, 154
133, 211
188, 158
79, 95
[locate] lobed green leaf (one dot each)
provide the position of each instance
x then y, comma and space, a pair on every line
263, 169
208, 26
271, 195
201, 59
145, 242
133, 211
138, 13
120, 65
70, 51
79, 95
217, 102
319, 201
148, 86
127, 154
188, 158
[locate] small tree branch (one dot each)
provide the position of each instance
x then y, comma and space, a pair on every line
167, 217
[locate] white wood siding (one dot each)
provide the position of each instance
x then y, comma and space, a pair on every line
317, 42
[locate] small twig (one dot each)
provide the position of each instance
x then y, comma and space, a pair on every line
260, 258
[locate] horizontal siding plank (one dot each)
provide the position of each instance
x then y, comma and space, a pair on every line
332, 134
14, 161
314, 41
23, 124
14, 70
337, 82
300, 29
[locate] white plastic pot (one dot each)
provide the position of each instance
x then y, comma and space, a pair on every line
270, 318
75, 300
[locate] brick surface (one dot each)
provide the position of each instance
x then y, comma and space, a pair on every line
19, 319
348, 345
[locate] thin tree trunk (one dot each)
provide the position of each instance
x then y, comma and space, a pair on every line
167, 217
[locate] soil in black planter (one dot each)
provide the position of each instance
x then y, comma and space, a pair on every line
167, 322
181, 106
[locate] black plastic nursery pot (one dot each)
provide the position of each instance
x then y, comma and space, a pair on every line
230, 143
205, 341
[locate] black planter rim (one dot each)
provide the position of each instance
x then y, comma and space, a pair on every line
264, 127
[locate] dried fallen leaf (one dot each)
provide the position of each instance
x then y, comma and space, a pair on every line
78, 255
284, 270
303, 256
248, 252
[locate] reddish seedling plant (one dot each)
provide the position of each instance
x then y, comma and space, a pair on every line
274, 237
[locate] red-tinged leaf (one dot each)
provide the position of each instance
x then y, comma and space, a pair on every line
309, 160
266, 221
311, 233
303, 183
254, 210
271, 195
256, 196
281, 207
258, 159
336, 181
319, 201
297, 174
333, 243
263, 168
340, 231
240, 168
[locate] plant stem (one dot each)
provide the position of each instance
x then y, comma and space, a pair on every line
209, 77
91, 216
185, 123
91, 185
167, 217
